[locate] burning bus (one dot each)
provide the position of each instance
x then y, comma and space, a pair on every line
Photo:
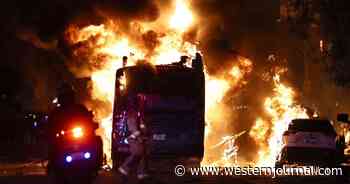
173, 109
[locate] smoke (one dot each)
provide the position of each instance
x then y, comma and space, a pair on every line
130, 10
50, 18
32, 37
43, 23
245, 27
150, 41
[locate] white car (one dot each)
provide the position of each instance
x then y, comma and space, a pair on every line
309, 142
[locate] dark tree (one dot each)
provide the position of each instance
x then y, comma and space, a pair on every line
335, 26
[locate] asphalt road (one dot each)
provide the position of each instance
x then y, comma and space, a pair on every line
114, 180
34, 173
111, 178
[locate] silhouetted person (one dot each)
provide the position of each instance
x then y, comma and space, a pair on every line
125, 61
137, 161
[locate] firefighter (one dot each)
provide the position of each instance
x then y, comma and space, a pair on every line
137, 160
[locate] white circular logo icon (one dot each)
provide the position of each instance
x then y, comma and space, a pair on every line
180, 170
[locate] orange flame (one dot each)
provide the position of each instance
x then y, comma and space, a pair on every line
216, 89
182, 18
109, 44
282, 109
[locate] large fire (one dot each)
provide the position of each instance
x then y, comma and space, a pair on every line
106, 44
282, 109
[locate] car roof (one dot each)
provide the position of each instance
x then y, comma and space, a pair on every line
311, 125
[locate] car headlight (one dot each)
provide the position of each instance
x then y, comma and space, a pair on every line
78, 132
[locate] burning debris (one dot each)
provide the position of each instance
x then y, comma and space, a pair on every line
230, 153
